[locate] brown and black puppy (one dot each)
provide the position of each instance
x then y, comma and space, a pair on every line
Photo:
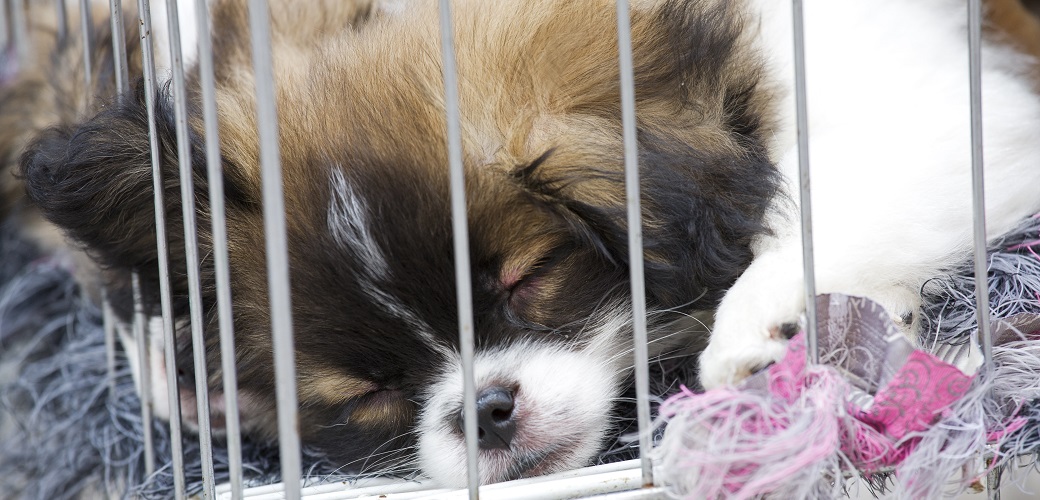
364, 153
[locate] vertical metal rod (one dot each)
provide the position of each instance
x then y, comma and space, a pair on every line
63, 20
86, 23
5, 30
140, 326
169, 342
220, 247
978, 203
460, 233
143, 354
277, 247
119, 45
21, 31
805, 196
191, 251
108, 327
635, 238
993, 484
977, 185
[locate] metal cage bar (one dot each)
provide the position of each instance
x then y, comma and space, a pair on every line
140, 328
62, 13
635, 239
5, 27
215, 175
169, 342
109, 331
143, 348
108, 324
119, 46
977, 185
20, 29
277, 247
191, 249
86, 24
805, 193
984, 334
460, 237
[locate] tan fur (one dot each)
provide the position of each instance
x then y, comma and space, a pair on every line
1013, 21
388, 408
503, 126
333, 386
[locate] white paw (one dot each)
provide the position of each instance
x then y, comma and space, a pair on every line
746, 336
728, 362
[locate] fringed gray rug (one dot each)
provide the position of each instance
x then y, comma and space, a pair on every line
65, 435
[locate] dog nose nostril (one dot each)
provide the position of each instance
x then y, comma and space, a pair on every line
496, 422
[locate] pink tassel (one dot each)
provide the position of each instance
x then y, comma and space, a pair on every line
790, 431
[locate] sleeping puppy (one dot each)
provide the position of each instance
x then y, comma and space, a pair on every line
889, 150
363, 148
362, 128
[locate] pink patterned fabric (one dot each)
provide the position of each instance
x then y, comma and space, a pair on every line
860, 408
786, 377
916, 397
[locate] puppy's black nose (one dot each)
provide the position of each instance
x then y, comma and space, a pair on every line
495, 418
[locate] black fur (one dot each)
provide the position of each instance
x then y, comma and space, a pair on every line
95, 180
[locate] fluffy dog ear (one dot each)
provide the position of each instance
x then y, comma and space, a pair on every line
702, 127
700, 213
94, 180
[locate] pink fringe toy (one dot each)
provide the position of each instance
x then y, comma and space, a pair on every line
874, 404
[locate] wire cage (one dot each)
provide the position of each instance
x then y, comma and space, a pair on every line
623, 480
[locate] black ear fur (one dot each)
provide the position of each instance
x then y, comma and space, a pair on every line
94, 180
700, 213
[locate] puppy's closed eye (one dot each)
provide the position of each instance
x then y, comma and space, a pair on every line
524, 286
